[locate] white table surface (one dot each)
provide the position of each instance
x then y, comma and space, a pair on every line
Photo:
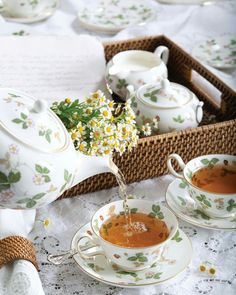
185, 24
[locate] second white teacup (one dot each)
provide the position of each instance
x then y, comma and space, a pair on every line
125, 257
25, 8
214, 204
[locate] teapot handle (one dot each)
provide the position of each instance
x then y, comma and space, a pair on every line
163, 53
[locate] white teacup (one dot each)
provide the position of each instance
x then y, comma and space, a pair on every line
136, 68
129, 258
217, 205
25, 8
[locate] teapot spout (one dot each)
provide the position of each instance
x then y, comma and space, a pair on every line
91, 165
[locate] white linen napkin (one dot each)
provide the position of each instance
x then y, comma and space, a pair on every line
20, 277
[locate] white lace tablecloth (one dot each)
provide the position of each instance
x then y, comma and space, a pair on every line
68, 215
186, 25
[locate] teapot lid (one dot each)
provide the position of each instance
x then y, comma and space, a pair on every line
164, 94
31, 121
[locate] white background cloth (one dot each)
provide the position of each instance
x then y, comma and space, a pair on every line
186, 25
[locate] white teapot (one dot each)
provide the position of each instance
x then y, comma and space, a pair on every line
38, 161
173, 105
136, 68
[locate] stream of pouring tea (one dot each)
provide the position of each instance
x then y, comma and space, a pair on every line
122, 185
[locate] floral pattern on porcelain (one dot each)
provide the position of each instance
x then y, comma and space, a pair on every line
132, 258
24, 121
211, 204
172, 261
12, 171
127, 75
219, 52
114, 15
178, 199
153, 101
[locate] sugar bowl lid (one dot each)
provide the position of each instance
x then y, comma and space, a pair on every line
31, 121
165, 94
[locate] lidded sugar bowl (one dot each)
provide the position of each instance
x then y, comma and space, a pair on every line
174, 106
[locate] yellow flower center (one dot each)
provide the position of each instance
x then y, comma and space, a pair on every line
89, 100
108, 129
202, 268
107, 152
88, 111
74, 135
46, 222
67, 100
95, 95
81, 129
105, 113
212, 271
81, 147
110, 104
96, 134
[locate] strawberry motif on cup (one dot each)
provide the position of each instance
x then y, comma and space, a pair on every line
101, 217
117, 256
89, 232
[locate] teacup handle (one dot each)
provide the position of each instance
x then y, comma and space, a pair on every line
180, 163
163, 53
91, 255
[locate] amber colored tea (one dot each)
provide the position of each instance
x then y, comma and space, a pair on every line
134, 230
219, 179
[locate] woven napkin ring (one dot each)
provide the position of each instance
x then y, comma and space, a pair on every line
16, 247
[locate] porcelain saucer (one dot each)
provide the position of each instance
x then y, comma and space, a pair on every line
111, 16
52, 6
177, 255
218, 52
185, 208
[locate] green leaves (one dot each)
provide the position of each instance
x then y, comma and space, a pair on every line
21, 120
183, 184
203, 200
17, 121
156, 212
138, 257
43, 171
202, 214
182, 201
121, 84
67, 178
133, 210
14, 176
178, 119
31, 202
152, 95
123, 272
177, 237
210, 163
231, 205
6, 180
47, 133
4, 184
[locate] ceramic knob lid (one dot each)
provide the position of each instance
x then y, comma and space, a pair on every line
31, 121
165, 94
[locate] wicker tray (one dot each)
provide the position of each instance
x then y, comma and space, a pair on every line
148, 160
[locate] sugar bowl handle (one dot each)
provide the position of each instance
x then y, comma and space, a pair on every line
180, 163
163, 53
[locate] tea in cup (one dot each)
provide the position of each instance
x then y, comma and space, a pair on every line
211, 181
25, 8
133, 240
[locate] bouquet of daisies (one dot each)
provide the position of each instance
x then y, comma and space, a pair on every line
97, 125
